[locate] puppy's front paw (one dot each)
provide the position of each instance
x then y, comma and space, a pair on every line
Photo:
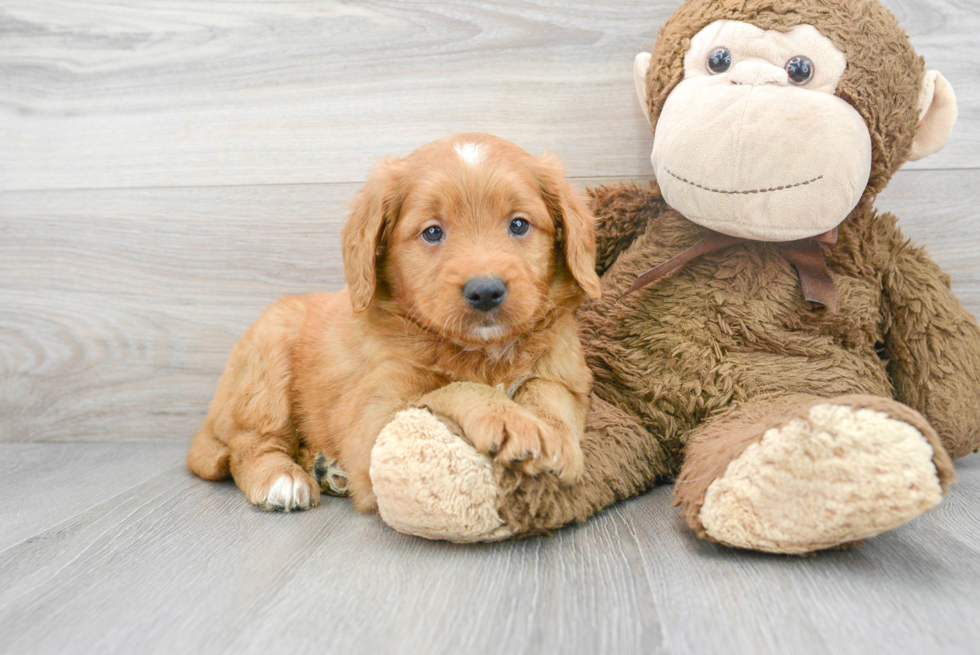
290, 492
521, 440
569, 463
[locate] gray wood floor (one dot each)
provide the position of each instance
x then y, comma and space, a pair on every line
169, 167
115, 548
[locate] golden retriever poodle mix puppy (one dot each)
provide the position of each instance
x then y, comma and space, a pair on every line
465, 262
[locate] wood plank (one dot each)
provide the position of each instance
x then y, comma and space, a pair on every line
46, 484
909, 591
180, 565
187, 93
121, 306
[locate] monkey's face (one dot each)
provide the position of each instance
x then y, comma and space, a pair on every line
753, 142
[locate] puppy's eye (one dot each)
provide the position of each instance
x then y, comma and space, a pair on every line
519, 226
433, 234
719, 61
800, 70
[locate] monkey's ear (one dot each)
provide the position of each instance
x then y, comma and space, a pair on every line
937, 114
640, 67
574, 223
375, 208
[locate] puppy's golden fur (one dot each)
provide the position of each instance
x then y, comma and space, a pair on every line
324, 373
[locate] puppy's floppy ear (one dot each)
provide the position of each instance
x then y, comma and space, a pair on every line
574, 223
375, 209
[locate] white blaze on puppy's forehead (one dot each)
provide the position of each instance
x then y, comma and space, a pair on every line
470, 152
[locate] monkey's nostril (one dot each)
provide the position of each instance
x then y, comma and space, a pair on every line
484, 293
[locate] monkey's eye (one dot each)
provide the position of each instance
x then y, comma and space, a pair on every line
719, 61
433, 234
800, 70
519, 226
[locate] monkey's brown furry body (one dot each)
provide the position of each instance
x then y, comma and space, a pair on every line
731, 334
787, 427
731, 330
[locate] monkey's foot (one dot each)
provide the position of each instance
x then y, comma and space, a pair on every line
431, 483
835, 474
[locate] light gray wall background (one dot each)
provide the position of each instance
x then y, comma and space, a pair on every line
169, 167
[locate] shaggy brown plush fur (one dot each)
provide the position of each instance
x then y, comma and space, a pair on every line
730, 337
731, 330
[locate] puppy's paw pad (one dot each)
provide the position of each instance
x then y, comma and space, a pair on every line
332, 479
288, 493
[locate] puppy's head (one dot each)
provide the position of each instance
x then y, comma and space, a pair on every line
471, 237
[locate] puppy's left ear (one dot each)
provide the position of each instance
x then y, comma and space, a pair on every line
574, 223
375, 209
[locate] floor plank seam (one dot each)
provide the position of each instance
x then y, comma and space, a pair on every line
360, 182
91, 507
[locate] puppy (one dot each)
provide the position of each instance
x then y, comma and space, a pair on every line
464, 263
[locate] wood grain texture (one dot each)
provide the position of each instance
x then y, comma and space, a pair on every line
122, 305
46, 484
175, 564
108, 94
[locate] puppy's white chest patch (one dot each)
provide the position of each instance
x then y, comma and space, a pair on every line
471, 153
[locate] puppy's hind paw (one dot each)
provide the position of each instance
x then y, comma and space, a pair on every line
332, 479
290, 493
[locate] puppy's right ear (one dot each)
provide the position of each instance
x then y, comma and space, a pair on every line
375, 209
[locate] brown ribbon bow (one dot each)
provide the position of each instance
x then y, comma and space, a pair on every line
805, 255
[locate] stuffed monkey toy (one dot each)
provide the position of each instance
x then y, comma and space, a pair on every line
765, 337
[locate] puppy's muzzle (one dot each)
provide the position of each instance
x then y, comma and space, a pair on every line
484, 293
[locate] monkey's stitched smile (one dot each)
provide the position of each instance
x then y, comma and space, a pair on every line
735, 193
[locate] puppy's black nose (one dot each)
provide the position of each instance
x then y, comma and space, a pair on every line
484, 293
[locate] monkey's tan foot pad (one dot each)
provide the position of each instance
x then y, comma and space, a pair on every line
837, 474
332, 479
431, 483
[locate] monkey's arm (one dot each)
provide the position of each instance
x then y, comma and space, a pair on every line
622, 211
933, 347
